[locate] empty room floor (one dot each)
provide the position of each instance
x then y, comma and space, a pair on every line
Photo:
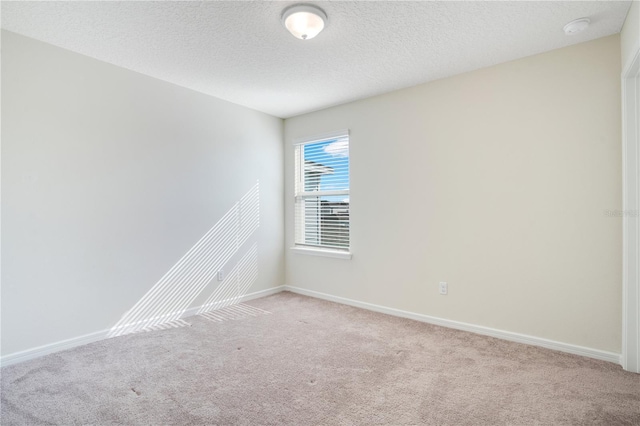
290, 359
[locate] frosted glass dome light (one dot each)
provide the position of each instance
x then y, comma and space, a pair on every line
304, 21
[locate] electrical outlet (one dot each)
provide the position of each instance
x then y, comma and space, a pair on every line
220, 275
444, 288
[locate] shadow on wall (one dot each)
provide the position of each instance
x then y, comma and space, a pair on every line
170, 297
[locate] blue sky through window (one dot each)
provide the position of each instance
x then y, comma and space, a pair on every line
332, 153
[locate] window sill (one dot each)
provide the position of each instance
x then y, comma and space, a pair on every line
336, 254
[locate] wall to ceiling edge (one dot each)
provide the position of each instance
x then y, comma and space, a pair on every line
504, 182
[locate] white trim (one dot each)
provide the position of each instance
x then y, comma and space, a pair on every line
631, 63
337, 254
43, 350
321, 137
492, 332
500, 334
300, 194
630, 358
307, 194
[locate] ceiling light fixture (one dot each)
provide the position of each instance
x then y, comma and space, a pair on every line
304, 21
576, 26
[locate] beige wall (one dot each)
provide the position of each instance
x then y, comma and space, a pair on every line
109, 177
495, 181
630, 35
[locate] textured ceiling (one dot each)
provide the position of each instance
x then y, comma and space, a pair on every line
239, 51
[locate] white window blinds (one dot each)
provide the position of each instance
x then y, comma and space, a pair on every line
322, 192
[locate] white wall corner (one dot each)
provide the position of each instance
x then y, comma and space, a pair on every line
631, 212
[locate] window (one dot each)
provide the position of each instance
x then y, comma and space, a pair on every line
322, 192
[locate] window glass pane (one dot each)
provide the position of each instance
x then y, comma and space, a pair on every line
323, 220
326, 165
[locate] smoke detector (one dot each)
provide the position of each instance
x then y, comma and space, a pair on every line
576, 26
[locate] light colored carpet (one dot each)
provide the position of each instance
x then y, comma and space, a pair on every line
311, 362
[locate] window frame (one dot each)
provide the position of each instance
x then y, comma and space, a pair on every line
308, 249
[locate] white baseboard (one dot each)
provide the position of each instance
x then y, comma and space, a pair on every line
492, 332
62, 345
43, 350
